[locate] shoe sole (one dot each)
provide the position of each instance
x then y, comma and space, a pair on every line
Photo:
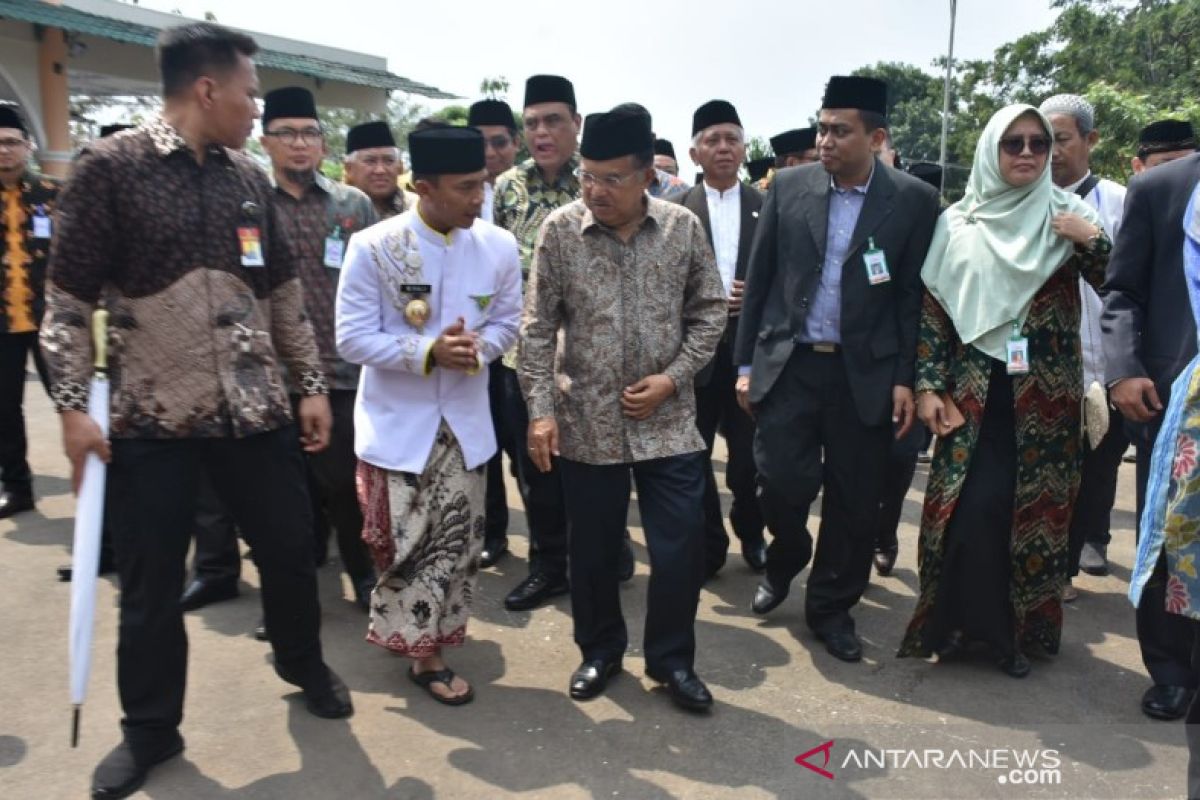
1098, 572
1163, 717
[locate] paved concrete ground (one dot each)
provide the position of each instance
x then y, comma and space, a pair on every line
779, 695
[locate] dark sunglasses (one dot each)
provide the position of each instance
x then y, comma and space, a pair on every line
1015, 145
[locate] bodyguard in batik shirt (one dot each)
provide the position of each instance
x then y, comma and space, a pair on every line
173, 223
26, 204
316, 217
525, 197
626, 290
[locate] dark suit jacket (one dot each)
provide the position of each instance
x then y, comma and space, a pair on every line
695, 200
879, 323
1147, 319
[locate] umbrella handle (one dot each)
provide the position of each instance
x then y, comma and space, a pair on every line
100, 338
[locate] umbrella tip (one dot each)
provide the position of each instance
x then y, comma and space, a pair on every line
75, 726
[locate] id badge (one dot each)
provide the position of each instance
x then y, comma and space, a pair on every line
251, 243
1018, 356
335, 251
876, 264
41, 226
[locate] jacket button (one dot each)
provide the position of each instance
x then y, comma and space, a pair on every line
804, 302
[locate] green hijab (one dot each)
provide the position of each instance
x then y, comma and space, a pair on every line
994, 249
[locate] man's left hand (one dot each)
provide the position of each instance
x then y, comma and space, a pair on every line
644, 397
903, 410
316, 423
735, 297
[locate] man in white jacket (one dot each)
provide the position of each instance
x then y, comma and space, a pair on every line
427, 300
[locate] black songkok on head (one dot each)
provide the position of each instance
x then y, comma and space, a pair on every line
446, 151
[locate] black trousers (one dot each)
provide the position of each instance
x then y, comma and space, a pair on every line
15, 475
670, 491
901, 467
1090, 519
1192, 722
717, 409
808, 414
542, 492
496, 504
330, 475
151, 499
1166, 640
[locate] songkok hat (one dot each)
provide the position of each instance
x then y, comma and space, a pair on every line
368, 135
450, 150
10, 117
549, 89
109, 130
858, 92
794, 141
1072, 105
927, 171
491, 112
714, 112
1167, 135
615, 134
759, 167
290, 102
662, 147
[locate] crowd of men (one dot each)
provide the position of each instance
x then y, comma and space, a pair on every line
294, 356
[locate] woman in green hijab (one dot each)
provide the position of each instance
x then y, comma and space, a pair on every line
998, 381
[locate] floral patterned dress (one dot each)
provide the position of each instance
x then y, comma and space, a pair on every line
1048, 447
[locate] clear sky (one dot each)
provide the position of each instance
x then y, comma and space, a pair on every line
771, 59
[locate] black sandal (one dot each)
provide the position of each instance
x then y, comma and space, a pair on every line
443, 676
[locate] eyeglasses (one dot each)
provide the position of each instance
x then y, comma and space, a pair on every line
1015, 145
12, 144
498, 142
607, 181
290, 135
550, 122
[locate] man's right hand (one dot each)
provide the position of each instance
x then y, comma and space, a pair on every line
455, 348
1136, 399
543, 442
81, 435
742, 389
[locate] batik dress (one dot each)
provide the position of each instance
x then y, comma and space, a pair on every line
1045, 421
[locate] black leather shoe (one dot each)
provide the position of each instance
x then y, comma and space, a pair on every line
767, 597
200, 593
590, 679
260, 630
492, 553
755, 555
14, 503
362, 592
1166, 702
106, 566
686, 690
535, 590
325, 696
122, 772
1016, 665
1093, 559
625, 569
842, 644
885, 560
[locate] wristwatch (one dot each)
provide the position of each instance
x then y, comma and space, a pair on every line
1099, 243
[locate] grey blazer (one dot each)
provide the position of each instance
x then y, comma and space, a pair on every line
879, 323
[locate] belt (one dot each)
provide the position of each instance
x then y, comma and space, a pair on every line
820, 347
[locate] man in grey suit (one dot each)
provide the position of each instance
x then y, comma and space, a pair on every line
729, 212
1148, 339
827, 351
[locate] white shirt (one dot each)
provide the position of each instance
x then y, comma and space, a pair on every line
725, 217
489, 203
474, 274
1108, 198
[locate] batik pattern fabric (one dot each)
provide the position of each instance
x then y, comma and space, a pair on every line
24, 252
1049, 452
1171, 519
425, 534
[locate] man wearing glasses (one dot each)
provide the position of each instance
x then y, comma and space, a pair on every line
524, 198
315, 216
373, 166
26, 203
625, 305
494, 119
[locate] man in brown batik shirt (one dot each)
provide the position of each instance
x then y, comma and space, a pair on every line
173, 225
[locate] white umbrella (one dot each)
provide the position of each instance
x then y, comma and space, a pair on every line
89, 522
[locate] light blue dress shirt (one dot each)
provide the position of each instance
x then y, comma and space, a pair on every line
824, 320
